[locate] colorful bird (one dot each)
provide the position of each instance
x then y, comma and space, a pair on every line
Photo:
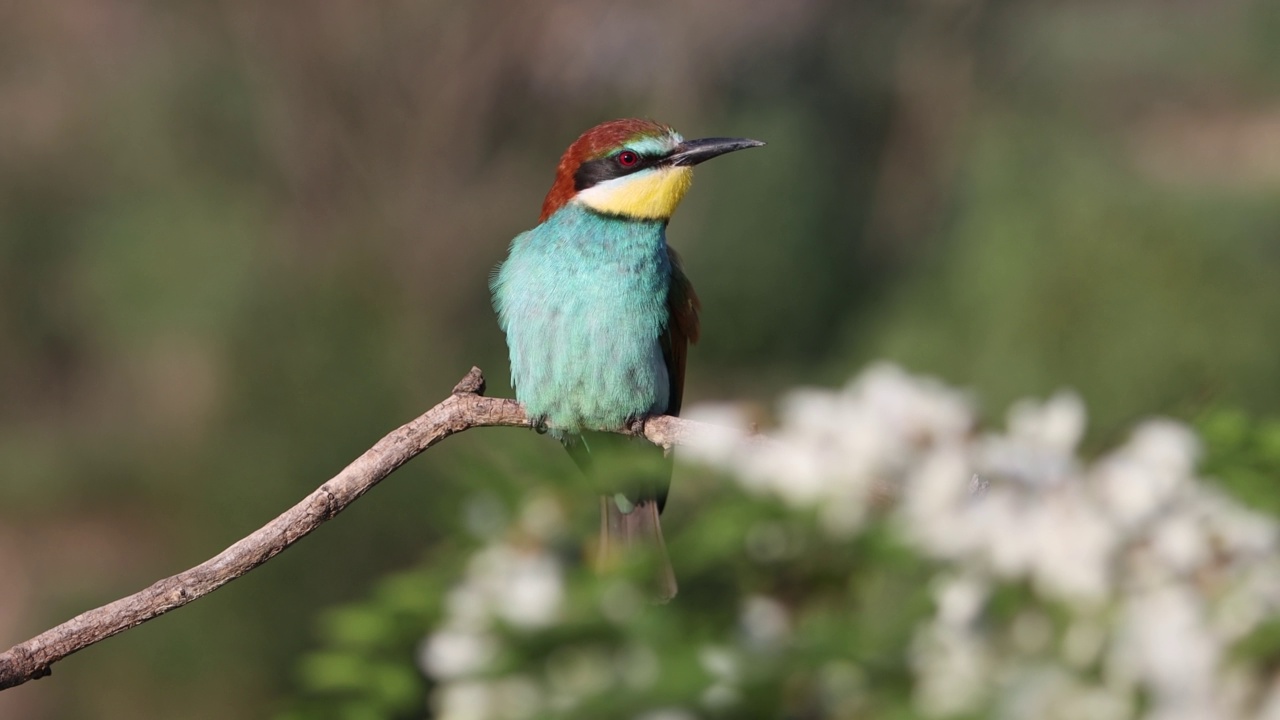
598, 316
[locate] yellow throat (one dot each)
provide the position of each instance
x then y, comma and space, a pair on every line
649, 195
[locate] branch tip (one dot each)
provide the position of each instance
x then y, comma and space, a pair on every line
472, 384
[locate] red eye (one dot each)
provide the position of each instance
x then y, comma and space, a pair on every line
627, 159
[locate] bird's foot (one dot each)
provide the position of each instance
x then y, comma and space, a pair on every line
539, 424
635, 425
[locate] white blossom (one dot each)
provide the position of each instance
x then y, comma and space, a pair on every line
724, 667
1164, 643
456, 653
512, 698
1142, 575
765, 622
467, 700
951, 664
521, 586
1039, 448
1142, 477
1126, 532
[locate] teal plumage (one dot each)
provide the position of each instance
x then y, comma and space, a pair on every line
582, 299
598, 313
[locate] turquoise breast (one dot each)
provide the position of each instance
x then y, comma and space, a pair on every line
582, 299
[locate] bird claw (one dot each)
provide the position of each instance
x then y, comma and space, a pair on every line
635, 425
539, 424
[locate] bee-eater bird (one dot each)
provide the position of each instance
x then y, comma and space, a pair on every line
598, 315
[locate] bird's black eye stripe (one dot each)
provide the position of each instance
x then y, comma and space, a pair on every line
594, 172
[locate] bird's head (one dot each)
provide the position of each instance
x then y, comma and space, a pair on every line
632, 168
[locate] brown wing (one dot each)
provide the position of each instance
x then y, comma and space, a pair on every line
682, 329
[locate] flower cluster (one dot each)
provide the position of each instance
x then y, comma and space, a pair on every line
507, 583
1151, 574
1134, 581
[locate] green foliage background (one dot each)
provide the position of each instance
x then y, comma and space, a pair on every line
240, 241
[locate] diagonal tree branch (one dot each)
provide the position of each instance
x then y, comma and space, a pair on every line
466, 408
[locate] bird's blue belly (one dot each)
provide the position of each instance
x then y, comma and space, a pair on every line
583, 303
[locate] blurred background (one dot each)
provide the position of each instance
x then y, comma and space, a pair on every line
241, 241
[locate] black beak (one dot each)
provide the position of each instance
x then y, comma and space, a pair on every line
692, 152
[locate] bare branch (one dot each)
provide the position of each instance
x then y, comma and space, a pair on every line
466, 408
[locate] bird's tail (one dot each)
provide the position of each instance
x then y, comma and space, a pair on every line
626, 527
